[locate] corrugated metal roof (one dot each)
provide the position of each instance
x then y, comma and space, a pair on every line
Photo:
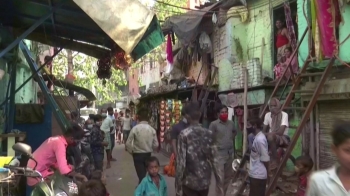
68, 27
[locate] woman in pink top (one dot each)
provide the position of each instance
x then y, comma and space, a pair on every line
51, 155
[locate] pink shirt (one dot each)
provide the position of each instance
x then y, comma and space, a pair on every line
51, 153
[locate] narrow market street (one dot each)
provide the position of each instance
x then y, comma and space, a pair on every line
122, 179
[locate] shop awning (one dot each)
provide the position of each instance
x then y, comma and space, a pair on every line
72, 28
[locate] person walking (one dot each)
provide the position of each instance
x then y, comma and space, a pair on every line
224, 132
176, 130
126, 125
141, 143
107, 127
97, 143
196, 157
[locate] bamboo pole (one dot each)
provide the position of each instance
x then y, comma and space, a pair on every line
245, 114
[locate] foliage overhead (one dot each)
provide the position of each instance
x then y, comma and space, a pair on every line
84, 69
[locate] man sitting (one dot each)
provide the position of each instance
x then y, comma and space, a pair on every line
277, 122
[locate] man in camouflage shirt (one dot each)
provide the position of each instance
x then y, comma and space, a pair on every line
196, 157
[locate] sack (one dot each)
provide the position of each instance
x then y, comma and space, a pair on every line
169, 169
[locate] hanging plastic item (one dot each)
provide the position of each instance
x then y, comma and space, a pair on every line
205, 43
214, 18
169, 55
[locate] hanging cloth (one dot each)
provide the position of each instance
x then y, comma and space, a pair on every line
290, 25
316, 32
169, 55
328, 18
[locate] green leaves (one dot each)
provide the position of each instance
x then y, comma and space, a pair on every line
84, 69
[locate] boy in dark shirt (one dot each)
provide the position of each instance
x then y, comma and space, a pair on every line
176, 129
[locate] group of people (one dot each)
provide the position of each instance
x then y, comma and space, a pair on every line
199, 152
68, 153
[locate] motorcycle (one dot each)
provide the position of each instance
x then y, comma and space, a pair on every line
60, 185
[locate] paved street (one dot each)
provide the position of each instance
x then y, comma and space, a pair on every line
122, 179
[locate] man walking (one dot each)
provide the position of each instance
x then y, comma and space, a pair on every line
176, 130
141, 142
224, 133
259, 160
196, 157
126, 125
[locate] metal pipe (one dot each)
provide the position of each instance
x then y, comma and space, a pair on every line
33, 74
12, 98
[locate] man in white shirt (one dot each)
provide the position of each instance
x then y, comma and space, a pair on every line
112, 133
107, 127
141, 142
276, 129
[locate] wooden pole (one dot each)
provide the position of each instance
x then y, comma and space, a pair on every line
245, 114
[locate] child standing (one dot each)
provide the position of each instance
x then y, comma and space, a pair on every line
259, 160
153, 184
303, 167
336, 180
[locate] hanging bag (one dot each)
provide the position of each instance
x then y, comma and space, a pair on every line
169, 169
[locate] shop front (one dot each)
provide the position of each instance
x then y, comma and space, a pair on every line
333, 104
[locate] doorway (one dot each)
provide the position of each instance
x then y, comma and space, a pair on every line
279, 14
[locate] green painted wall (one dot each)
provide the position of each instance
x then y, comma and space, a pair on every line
251, 33
344, 30
245, 42
26, 94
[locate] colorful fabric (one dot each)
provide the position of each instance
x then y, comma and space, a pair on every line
169, 50
328, 18
281, 40
278, 70
280, 53
315, 32
290, 25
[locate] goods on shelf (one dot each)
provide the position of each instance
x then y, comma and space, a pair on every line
170, 114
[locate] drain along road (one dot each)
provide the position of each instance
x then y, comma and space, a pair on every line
122, 179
